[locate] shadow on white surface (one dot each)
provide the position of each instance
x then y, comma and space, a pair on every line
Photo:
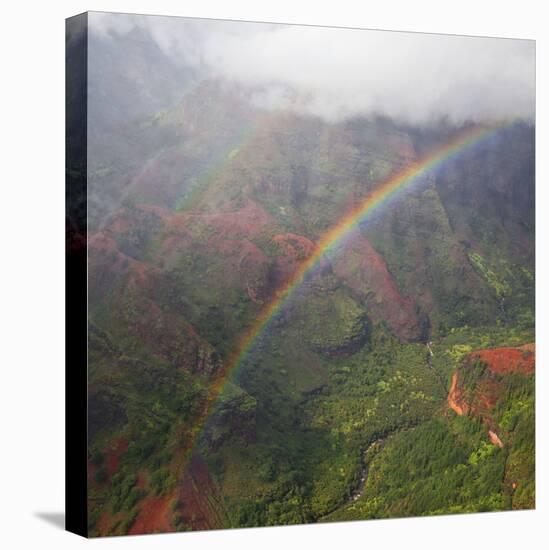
57, 519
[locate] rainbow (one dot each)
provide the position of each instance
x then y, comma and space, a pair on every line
334, 237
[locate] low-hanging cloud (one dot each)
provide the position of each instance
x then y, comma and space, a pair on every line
339, 73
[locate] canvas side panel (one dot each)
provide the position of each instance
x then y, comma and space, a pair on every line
76, 80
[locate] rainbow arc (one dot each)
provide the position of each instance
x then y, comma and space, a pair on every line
331, 240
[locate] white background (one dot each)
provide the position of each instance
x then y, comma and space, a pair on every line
32, 272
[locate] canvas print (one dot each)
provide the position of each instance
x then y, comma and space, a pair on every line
309, 272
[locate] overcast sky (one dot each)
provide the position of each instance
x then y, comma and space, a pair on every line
338, 73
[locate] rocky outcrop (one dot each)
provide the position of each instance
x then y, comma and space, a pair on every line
292, 250
328, 317
356, 336
365, 271
170, 337
234, 416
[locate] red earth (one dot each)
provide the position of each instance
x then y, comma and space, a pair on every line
454, 397
196, 500
113, 455
295, 249
500, 361
366, 272
155, 514
232, 232
199, 502
520, 360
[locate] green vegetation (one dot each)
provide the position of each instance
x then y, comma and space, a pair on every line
454, 346
442, 466
330, 392
500, 286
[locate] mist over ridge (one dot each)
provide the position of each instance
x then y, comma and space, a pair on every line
339, 73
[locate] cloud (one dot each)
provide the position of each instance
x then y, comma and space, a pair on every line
338, 73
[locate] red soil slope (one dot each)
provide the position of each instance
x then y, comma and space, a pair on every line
114, 453
365, 271
200, 504
155, 516
520, 360
487, 391
454, 397
295, 249
196, 500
